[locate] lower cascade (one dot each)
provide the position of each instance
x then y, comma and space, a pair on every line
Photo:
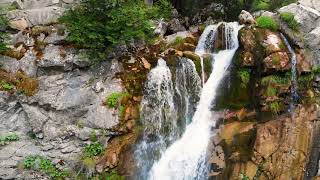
166, 108
186, 158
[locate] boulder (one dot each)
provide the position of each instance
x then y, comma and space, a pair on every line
35, 4
191, 55
161, 29
175, 26
278, 61
39, 16
246, 18
19, 24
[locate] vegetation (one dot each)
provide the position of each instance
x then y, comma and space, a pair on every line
275, 107
93, 149
289, 19
3, 34
270, 5
267, 22
6, 86
113, 175
5, 139
243, 176
99, 25
244, 76
39, 163
113, 100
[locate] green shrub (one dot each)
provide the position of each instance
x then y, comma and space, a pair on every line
99, 25
289, 19
39, 163
8, 138
93, 149
261, 5
267, 22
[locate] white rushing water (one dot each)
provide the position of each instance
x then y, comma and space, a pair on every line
165, 109
185, 159
205, 44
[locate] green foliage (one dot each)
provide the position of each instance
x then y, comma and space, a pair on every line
6, 86
39, 163
270, 5
267, 22
113, 175
93, 149
315, 70
99, 25
243, 176
113, 100
289, 19
275, 107
274, 79
244, 76
3, 34
8, 138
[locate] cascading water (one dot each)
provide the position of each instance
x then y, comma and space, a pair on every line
186, 158
165, 108
187, 87
206, 45
294, 84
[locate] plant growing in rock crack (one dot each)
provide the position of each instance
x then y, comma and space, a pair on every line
243, 176
114, 101
41, 164
6, 86
289, 19
275, 107
93, 149
5, 139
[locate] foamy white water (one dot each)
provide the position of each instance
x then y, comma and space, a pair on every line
185, 158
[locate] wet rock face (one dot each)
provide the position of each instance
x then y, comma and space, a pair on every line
280, 149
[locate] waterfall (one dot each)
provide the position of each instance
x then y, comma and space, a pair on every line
165, 108
186, 158
294, 84
187, 87
206, 45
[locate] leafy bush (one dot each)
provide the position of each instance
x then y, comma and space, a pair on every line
243, 176
44, 165
267, 22
99, 25
8, 138
93, 149
289, 19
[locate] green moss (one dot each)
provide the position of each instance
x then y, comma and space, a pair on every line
244, 76
275, 60
3, 34
267, 22
113, 175
261, 5
289, 19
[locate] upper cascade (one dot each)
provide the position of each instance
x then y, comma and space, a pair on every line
186, 158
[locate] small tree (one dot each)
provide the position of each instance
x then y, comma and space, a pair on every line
99, 25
